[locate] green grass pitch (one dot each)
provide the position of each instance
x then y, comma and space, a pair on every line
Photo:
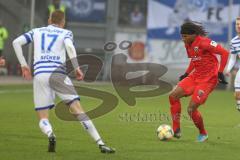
131, 130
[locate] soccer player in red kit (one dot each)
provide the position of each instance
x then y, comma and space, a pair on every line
201, 77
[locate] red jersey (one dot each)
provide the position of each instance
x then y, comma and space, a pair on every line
204, 62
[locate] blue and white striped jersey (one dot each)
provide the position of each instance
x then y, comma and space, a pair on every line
49, 48
235, 45
235, 52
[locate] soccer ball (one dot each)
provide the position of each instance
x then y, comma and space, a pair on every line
164, 132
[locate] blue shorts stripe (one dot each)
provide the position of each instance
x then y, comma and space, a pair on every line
70, 102
61, 72
43, 108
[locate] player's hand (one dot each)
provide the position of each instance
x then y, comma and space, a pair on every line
26, 73
221, 78
79, 74
183, 76
2, 61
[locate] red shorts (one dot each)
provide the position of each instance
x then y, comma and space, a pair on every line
198, 90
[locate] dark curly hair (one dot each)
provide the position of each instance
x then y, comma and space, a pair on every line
191, 27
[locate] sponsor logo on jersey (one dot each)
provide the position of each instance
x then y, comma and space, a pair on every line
195, 49
196, 58
213, 43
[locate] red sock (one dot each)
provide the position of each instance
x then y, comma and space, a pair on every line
198, 121
175, 112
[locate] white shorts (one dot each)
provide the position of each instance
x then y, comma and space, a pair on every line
237, 82
44, 95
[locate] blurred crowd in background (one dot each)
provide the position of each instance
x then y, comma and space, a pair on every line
131, 14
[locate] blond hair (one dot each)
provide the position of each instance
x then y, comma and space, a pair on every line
57, 17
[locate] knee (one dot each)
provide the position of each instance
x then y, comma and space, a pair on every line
177, 93
173, 96
192, 108
173, 99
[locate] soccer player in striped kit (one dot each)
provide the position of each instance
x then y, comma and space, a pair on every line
50, 46
235, 53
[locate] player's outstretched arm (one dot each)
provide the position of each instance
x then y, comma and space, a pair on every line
213, 47
73, 56
231, 63
17, 45
224, 58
